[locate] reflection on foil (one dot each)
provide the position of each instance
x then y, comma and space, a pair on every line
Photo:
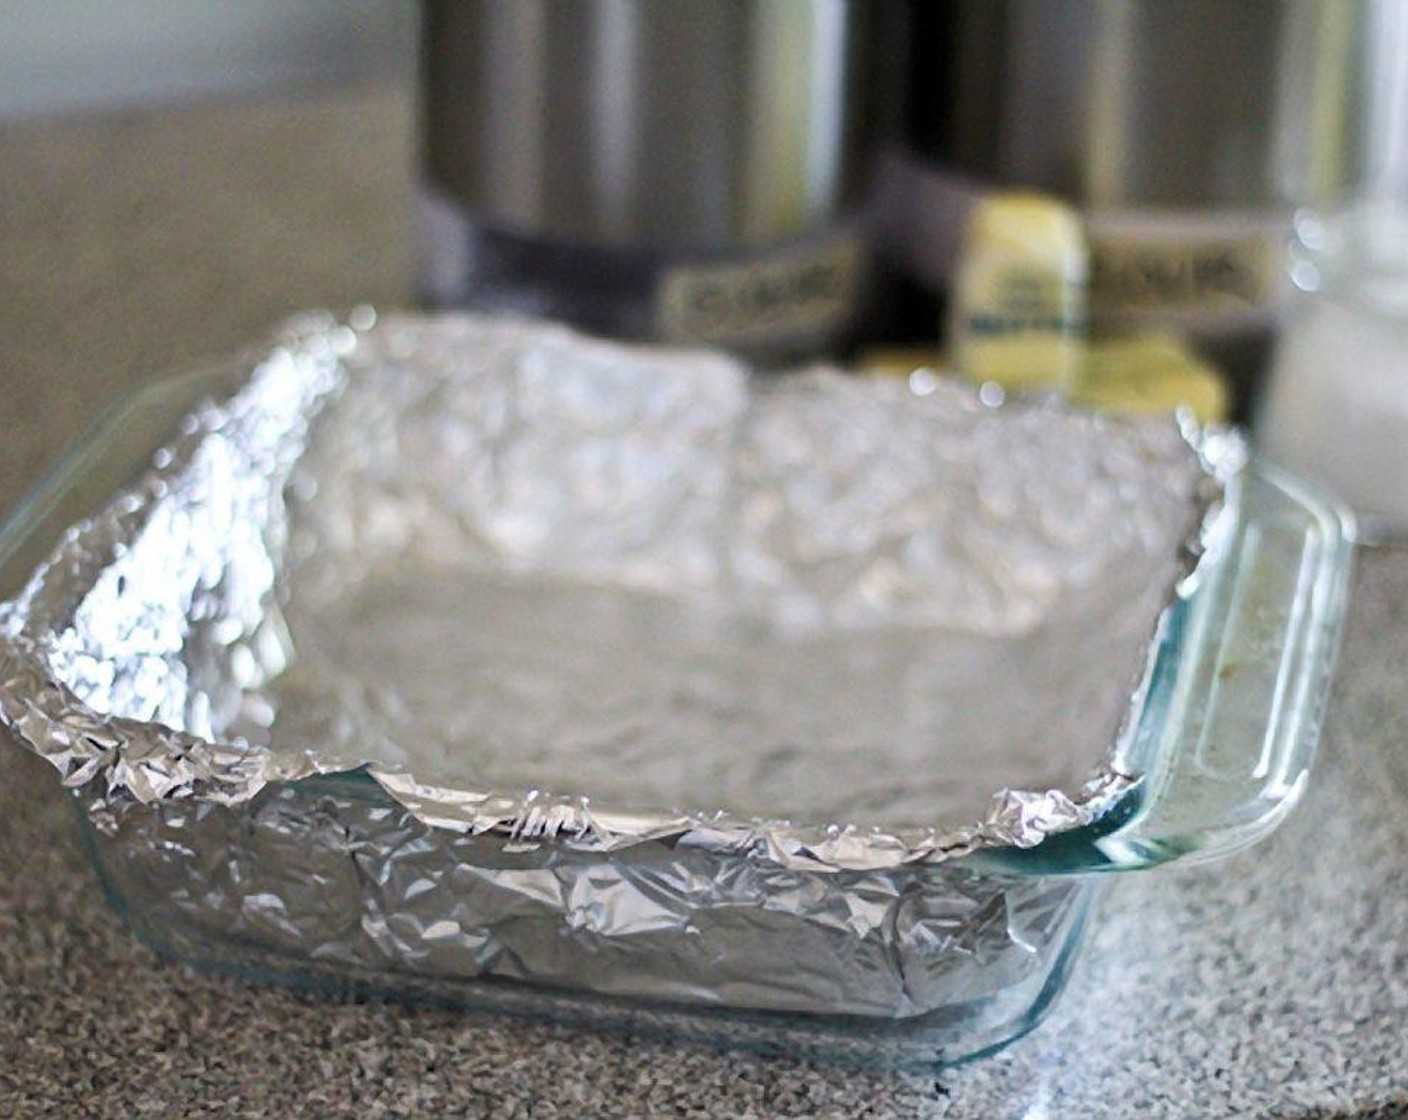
669, 681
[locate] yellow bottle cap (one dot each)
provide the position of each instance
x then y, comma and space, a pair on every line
1036, 227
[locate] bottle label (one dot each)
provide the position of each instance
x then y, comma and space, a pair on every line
787, 297
1024, 300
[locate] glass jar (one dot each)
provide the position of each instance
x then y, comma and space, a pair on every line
1337, 403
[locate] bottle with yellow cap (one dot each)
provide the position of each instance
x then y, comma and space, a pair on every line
1018, 306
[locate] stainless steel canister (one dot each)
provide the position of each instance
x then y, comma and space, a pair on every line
1188, 133
688, 172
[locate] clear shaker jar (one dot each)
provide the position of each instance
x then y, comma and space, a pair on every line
1336, 407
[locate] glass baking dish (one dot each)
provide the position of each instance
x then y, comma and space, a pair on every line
317, 877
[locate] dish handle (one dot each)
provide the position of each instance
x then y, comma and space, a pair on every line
1228, 719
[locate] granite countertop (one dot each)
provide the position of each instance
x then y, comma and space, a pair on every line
1273, 984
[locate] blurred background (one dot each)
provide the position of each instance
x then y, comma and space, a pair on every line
791, 179
65, 56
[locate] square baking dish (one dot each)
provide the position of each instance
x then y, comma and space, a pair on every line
838, 932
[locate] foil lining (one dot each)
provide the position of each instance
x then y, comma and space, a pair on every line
366, 888
370, 502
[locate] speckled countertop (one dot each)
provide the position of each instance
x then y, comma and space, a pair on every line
1274, 984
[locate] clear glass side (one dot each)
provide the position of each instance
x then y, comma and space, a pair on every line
164, 891
1227, 725
113, 452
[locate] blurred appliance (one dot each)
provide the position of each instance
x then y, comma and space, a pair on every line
1187, 132
685, 172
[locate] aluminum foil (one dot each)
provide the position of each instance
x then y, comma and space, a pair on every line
629, 640
354, 885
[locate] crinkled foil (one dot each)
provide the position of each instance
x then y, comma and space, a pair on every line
674, 681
